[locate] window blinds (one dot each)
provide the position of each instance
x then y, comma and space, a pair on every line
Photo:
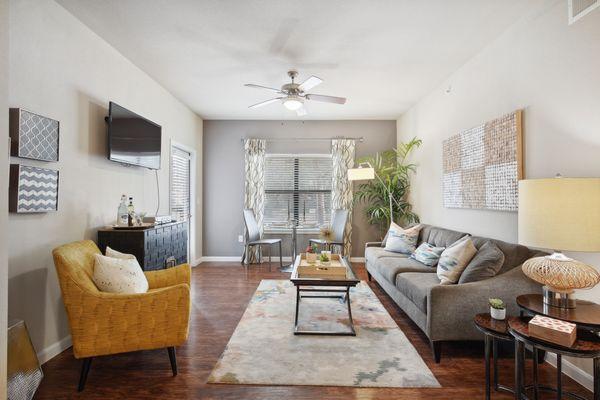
297, 187
180, 184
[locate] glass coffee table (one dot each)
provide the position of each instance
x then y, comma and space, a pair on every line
323, 288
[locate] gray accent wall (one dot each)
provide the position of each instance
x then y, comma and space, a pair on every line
223, 166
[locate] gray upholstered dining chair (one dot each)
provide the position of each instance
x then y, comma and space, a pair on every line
253, 239
338, 225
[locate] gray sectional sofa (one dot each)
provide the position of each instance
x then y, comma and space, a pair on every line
445, 312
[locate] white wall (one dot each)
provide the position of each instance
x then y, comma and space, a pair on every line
542, 65
61, 69
3, 188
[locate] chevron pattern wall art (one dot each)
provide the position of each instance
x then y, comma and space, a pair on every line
32, 189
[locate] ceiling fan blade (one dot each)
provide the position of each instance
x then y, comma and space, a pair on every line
326, 99
301, 111
264, 103
310, 83
251, 85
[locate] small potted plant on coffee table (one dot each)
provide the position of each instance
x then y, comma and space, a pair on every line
311, 254
497, 309
325, 257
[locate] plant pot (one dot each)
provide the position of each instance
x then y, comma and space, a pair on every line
311, 258
328, 254
497, 313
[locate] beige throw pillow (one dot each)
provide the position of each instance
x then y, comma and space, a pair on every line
454, 260
119, 275
117, 254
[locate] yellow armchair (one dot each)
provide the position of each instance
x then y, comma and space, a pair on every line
108, 323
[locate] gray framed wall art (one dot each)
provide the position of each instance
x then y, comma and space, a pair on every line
33, 136
32, 189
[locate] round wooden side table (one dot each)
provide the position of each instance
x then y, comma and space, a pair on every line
586, 315
493, 330
586, 346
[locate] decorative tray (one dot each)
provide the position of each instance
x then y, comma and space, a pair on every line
145, 225
333, 269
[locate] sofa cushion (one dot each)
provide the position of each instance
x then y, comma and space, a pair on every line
372, 254
514, 254
390, 267
439, 237
454, 260
415, 286
486, 264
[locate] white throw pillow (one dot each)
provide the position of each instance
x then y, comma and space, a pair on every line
454, 260
119, 275
117, 254
402, 240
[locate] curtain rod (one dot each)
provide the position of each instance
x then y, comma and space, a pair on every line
298, 139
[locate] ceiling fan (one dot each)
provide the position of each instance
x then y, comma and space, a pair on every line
294, 94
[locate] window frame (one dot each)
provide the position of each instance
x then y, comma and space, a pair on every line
300, 230
192, 233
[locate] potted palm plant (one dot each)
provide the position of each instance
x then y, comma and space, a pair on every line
387, 195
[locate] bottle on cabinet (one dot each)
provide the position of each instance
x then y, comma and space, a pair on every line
122, 214
130, 213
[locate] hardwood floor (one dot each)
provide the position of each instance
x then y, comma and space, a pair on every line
220, 294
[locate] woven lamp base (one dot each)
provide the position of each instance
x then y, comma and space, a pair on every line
560, 275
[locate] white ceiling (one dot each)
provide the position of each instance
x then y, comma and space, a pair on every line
383, 55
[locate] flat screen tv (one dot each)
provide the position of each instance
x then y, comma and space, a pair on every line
132, 139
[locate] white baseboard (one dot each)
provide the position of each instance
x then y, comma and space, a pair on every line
219, 259
54, 349
577, 374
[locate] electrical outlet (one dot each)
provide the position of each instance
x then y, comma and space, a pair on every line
241, 238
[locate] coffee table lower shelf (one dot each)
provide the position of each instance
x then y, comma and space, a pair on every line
345, 297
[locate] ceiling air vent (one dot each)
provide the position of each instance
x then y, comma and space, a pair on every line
580, 8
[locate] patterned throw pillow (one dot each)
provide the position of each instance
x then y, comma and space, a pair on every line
119, 275
402, 240
427, 254
454, 260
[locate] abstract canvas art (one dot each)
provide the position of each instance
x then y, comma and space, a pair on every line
482, 165
33, 136
32, 189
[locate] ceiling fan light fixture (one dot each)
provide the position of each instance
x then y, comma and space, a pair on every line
293, 102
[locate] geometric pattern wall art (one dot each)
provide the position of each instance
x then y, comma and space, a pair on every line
33, 136
32, 189
482, 165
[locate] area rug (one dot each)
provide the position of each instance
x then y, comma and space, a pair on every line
264, 351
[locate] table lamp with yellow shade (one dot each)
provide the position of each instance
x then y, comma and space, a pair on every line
562, 214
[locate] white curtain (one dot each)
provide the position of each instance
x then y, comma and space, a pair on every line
342, 154
254, 188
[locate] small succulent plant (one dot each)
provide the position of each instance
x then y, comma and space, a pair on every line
324, 257
498, 304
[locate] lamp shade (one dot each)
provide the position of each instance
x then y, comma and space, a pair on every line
361, 174
560, 213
